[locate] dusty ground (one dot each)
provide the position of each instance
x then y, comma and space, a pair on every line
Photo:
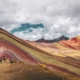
22, 71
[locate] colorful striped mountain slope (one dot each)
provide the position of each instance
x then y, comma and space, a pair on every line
55, 56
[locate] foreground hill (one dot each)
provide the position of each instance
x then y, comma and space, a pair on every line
22, 71
55, 56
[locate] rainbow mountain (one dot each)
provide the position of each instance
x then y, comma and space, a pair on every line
61, 56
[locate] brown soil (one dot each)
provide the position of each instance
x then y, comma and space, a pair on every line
22, 71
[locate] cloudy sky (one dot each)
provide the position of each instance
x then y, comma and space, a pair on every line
52, 18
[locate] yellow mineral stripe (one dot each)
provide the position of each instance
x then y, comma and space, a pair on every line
42, 57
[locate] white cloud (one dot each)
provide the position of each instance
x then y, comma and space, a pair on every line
34, 35
59, 17
10, 27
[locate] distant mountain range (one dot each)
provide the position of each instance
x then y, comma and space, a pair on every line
54, 40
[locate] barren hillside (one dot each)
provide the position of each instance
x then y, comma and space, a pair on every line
22, 71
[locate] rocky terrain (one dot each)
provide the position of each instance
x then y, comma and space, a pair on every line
23, 71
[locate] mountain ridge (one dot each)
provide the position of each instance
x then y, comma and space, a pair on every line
54, 40
34, 53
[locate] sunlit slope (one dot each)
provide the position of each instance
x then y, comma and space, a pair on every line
73, 43
15, 48
65, 48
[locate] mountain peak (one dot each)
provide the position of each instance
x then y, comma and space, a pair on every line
78, 37
54, 40
1, 29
